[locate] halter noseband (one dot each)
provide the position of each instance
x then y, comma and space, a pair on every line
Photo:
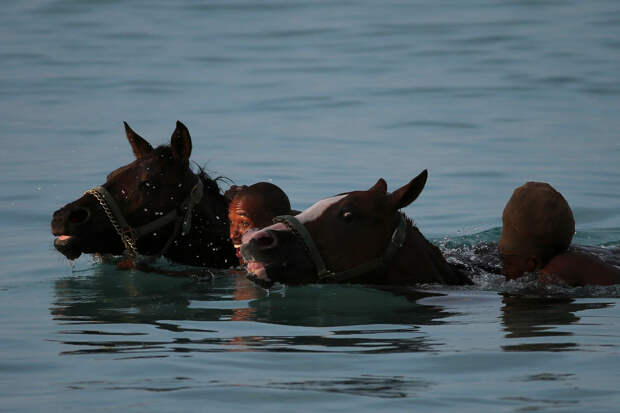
130, 235
397, 241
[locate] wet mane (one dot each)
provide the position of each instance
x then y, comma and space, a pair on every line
210, 184
447, 273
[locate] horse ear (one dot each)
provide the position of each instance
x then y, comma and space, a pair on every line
139, 145
407, 194
181, 143
380, 186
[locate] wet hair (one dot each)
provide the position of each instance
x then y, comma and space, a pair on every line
537, 221
274, 199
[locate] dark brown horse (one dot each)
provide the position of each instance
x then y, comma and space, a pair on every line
154, 206
357, 237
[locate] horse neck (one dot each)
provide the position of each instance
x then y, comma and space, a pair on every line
207, 244
419, 261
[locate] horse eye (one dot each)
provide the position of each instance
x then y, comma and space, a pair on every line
347, 216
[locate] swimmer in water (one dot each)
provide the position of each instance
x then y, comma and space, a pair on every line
538, 227
254, 206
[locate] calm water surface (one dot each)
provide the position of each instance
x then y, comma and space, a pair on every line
320, 97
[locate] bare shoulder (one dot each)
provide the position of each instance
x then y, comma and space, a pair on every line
579, 268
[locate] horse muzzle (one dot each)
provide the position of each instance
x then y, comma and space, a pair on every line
68, 246
66, 223
69, 219
273, 254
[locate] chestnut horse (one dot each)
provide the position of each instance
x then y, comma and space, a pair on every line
356, 237
154, 206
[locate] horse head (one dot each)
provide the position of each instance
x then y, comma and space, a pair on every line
154, 205
334, 236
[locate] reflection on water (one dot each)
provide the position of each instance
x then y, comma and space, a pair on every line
128, 297
114, 311
365, 385
375, 386
543, 317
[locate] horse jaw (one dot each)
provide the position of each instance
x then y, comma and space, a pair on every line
67, 246
258, 269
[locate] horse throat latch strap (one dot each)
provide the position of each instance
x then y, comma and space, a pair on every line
130, 235
398, 239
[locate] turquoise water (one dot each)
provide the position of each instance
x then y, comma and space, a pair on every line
319, 97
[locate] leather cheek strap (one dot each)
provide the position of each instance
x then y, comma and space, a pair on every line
396, 242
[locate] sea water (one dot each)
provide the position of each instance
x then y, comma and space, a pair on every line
318, 97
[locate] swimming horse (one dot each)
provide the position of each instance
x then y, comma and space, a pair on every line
356, 237
154, 206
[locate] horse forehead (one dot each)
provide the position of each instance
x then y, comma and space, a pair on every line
138, 167
318, 209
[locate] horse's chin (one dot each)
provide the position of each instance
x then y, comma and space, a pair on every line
68, 246
258, 273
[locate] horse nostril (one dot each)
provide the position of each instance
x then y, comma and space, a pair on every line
79, 216
265, 240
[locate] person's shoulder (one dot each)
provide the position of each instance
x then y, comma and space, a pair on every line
579, 268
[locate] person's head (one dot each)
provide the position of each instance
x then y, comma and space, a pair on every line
537, 225
255, 206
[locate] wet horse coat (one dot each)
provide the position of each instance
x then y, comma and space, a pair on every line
358, 237
153, 206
